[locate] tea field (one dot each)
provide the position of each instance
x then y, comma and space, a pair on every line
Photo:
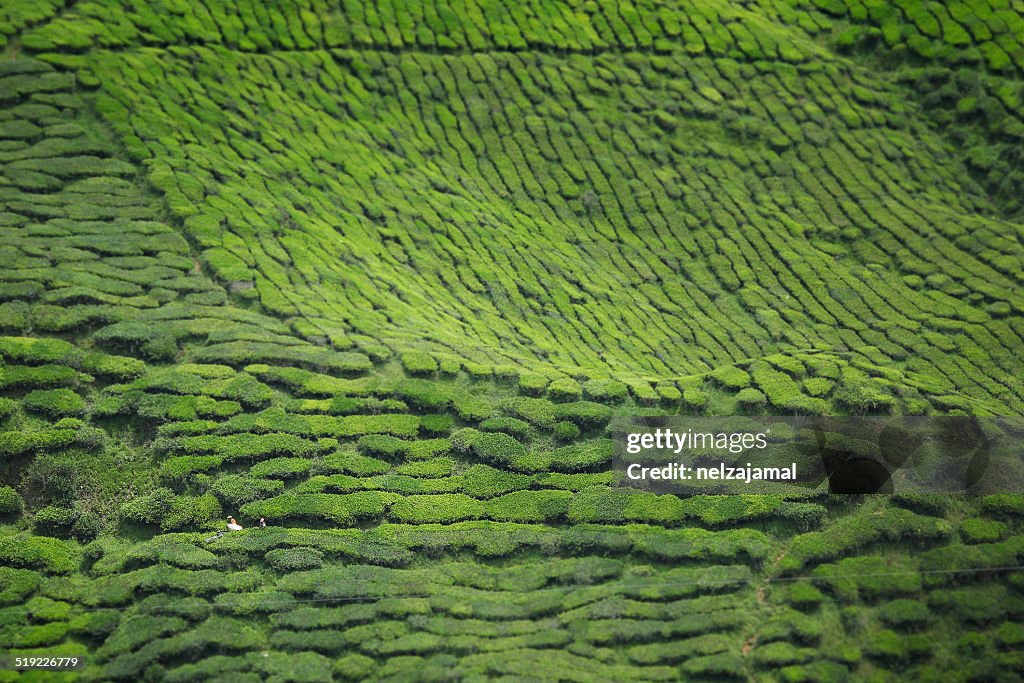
383, 273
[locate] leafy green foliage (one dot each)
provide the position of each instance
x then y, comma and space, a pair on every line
414, 247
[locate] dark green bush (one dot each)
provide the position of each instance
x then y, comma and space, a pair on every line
605, 390
295, 559
565, 431
180, 468
87, 526
750, 398
510, 425
336, 508
38, 552
977, 530
724, 665
55, 402
804, 595
695, 399
354, 667
778, 654
8, 406
382, 446
484, 481
903, 612
436, 424
565, 389
497, 448
419, 363
236, 490
925, 503
54, 519
281, 468
11, 504
442, 508
1011, 504
529, 506
150, 508
536, 411
586, 414
191, 511
804, 515
976, 604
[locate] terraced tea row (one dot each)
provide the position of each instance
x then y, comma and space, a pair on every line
382, 275
594, 156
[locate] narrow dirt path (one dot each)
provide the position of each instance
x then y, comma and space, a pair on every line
751, 640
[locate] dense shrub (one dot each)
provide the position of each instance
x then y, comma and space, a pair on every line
1010, 504
54, 519
87, 526
804, 595
565, 389
382, 446
575, 457
150, 508
483, 481
191, 511
565, 431
55, 402
281, 468
236, 490
532, 383
529, 506
498, 448
605, 390
426, 449
537, 411
926, 503
8, 406
731, 508
419, 363
781, 653
424, 393
180, 468
731, 377
695, 399
336, 508
750, 398
38, 552
976, 604
718, 666
295, 559
856, 531
436, 424
442, 508
804, 515
510, 425
903, 613
888, 645
867, 578
586, 414
11, 503
352, 463
978, 530
354, 667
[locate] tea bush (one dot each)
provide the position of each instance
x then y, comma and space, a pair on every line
384, 280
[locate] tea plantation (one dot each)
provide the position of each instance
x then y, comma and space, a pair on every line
382, 274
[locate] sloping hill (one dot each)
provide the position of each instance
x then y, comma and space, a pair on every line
381, 275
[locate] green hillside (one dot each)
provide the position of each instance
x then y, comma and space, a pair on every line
383, 273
